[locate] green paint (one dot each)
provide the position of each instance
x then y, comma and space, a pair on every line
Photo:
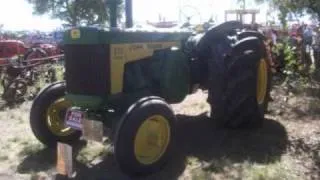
86, 102
165, 74
99, 36
175, 80
87, 36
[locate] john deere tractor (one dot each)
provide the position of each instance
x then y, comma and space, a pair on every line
127, 79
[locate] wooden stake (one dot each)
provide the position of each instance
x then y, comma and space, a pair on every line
64, 160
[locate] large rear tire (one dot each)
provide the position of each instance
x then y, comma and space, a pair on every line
238, 96
47, 117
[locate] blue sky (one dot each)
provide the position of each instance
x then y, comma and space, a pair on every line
17, 14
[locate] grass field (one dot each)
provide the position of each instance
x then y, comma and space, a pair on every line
287, 147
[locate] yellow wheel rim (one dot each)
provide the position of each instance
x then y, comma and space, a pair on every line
55, 118
152, 139
262, 81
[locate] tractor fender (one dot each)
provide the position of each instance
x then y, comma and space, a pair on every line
219, 32
199, 42
225, 28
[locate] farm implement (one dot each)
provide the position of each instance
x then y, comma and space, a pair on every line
17, 74
127, 79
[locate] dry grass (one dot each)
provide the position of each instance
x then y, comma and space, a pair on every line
16, 140
247, 171
285, 148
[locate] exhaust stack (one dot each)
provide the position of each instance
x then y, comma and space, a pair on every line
128, 9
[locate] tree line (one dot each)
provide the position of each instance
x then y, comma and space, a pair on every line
97, 12
77, 12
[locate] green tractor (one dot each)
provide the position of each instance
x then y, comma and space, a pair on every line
127, 79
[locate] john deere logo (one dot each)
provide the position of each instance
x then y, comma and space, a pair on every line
75, 33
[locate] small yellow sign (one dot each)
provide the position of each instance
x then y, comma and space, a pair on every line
75, 33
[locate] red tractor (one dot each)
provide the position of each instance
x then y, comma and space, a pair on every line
19, 67
39, 50
9, 49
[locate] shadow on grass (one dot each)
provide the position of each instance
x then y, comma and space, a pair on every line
312, 110
299, 147
4, 105
278, 79
39, 161
8, 106
198, 138
265, 145
312, 92
43, 160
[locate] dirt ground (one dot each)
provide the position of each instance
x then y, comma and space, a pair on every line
287, 147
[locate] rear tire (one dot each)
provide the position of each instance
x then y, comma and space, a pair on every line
266, 54
233, 94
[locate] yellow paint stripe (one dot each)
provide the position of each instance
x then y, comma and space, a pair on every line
120, 54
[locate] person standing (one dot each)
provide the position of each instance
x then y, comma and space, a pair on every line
316, 47
306, 48
274, 36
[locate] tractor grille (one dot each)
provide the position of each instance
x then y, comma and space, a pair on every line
87, 69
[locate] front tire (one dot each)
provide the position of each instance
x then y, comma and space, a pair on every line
47, 117
145, 136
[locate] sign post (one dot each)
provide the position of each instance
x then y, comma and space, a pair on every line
64, 161
91, 130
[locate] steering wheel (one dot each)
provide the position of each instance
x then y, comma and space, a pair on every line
190, 15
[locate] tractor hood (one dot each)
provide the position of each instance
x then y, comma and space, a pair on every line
95, 58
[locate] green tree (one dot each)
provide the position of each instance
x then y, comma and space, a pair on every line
76, 12
298, 7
